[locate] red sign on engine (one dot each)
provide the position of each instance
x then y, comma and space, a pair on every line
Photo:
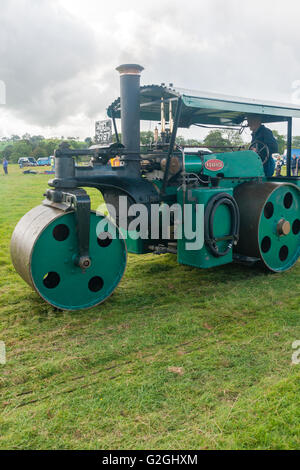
214, 164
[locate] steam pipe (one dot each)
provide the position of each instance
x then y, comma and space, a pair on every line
130, 114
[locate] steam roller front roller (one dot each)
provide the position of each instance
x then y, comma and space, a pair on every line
44, 253
270, 223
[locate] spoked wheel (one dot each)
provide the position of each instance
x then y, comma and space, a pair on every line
44, 251
270, 223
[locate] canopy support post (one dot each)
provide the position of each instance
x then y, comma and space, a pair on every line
115, 126
171, 144
289, 147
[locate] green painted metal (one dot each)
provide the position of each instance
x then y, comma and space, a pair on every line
264, 207
244, 164
232, 110
286, 179
206, 108
203, 258
133, 243
76, 288
283, 251
170, 190
193, 164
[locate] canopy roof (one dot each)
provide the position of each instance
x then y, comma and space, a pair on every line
206, 108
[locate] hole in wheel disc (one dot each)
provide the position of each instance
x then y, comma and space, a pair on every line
288, 200
104, 239
96, 284
283, 253
266, 244
51, 280
296, 227
61, 232
268, 210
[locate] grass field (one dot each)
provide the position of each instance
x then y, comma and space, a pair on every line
177, 358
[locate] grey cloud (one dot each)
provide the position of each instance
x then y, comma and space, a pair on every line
48, 59
56, 66
230, 47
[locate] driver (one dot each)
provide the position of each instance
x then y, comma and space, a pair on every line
263, 137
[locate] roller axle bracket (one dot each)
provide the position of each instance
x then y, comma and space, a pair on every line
80, 201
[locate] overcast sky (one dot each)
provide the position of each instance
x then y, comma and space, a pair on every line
58, 57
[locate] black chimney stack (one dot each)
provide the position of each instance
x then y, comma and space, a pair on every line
130, 113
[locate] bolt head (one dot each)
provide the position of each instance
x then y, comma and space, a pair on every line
283, 227
84, 262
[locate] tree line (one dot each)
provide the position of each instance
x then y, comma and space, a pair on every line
38, 146
219, 139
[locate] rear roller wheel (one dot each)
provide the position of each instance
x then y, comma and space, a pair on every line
270, 223
44, 253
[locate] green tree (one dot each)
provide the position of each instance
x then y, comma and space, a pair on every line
88, 141
281, 141
50, 145
216, 141
114, 139
234, 137
193, 143
7, 151
180, 141
146, 137
35, 146
39, 152
36, 140
296, 141
20, 149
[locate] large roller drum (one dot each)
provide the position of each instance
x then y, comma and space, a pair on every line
44, 252
270, 223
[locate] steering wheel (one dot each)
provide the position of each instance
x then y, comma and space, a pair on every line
259, 148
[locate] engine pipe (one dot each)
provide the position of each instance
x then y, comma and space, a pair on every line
130, 114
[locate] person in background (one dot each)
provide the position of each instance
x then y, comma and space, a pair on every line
294, 165
263, 137
278, 166
5, 165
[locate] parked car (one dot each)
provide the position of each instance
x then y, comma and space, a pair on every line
32, 160
43, 161
26, 161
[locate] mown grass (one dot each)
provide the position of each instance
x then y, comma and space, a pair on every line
177, 358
